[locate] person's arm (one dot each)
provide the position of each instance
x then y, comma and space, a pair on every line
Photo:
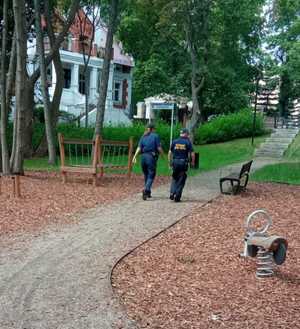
137, 152
161, 151
170, 157
193, 159
158, 146
192, 155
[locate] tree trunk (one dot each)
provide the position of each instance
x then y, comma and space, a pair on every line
21, 86
86, 91
112, 26
59, 39
198, 54
42, 149
196, 87
4, 110
44, 85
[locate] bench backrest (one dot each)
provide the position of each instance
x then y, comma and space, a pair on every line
78, 145
245, 169
95, 152
118, 153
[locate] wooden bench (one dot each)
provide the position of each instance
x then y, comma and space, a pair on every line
99, 154
90, 169
238, 181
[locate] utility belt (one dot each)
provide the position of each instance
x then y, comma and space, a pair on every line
180, 163
181, 160
154, 154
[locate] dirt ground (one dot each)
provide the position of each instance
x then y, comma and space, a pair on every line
46, 201
191, 276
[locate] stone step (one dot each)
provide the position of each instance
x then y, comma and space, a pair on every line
279, 140
288, 130
277, 152
291, 136
275, 145
262, 155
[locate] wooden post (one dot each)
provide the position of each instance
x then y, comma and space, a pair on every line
130, 152
100, 157
96, 158
16, 186
62, 157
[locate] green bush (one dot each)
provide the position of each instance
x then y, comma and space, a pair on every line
121, 133
229, 127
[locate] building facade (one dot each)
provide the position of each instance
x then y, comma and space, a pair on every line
78, 86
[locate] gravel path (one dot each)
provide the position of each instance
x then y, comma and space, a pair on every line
61, 280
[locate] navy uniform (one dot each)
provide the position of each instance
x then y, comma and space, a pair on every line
150, 147
181, 149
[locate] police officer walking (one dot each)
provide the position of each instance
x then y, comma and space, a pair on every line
180, 152
149, 146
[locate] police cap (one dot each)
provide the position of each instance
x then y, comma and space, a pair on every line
184, 131
150, 125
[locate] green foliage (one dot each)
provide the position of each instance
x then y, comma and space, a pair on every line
279, 173
121, 133
229, 127
283, 41
293, 152
212, 156
163, 62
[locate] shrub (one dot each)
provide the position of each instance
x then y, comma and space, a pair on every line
122, 133
228, 127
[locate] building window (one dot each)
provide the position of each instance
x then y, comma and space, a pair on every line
67, 78
117, 92
81, 84
49, 77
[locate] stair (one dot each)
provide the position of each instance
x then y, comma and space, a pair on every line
277, 143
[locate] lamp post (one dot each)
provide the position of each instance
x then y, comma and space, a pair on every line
255, 105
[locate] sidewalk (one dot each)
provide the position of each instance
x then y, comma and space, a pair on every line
62, 279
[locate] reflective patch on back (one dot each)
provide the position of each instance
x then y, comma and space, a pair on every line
180, 147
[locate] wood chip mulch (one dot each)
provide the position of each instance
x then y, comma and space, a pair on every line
191, 276
45, 200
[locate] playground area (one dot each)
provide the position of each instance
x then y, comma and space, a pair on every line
46, 201
191, 275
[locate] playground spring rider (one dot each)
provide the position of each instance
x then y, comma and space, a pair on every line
268, 249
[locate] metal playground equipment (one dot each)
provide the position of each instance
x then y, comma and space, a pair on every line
268, 249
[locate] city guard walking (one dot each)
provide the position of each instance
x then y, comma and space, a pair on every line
180, 153
150, 147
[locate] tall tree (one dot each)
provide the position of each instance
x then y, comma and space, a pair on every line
44, 83
111, 29
4, 109
91, 16
199, 49
283, 41
25, 83
21, 84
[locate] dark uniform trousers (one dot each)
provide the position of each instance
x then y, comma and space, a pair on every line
180, 167
149, 169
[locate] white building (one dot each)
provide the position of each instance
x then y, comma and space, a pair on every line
118, 101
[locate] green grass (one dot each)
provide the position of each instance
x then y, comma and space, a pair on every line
288, 172
293, 152
40, 164
212, 156
279, 173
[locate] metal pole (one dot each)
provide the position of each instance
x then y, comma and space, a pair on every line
172, 123
255, 107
